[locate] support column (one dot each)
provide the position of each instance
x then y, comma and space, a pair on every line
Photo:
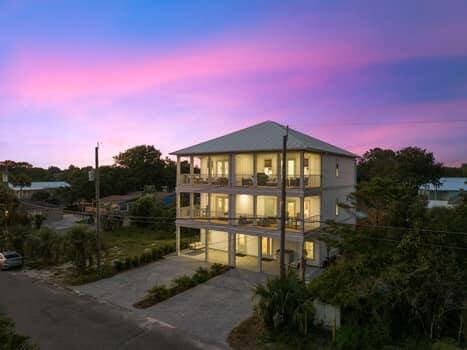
255, 170
178, 170
232, 214
232, 249
177, 240
301, 258
302, 169
192, 202
208, 211
209, 170
260, 254
231, 170
255, 209
192, 170
206, 233
302, 214
177, 204
279, 172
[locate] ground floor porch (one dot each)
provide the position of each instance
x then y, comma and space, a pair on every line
254, 252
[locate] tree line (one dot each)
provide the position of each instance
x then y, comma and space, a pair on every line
133, 170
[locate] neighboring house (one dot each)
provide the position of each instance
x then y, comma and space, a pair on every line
27, 191
446, 194
235, 199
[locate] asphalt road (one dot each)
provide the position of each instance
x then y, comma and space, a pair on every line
59, 319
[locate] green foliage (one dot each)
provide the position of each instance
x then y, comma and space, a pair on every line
81, 248
90, 275
10, 340
411, 166
353, 337
285, 306
146, 206
201, 275
408, 281
38, 220
180, 284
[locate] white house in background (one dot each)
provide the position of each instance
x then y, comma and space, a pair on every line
230, 194
36, 186
446, 193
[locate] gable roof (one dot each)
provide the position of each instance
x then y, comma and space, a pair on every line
265, 136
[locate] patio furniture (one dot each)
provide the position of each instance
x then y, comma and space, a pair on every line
196, 245
247, 181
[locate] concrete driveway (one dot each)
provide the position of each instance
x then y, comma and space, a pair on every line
207, 312
125, 288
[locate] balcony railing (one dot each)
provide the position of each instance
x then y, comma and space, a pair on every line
312, 181
312, 222
245, 180
249, 180
267, 180
203, 179
292, 181
220, 180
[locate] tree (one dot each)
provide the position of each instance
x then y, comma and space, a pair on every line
144, 209
411, 166
81, 247
145, 164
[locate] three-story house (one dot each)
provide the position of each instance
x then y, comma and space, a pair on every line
229, 191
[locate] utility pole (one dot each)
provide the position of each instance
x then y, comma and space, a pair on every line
283, 202
98, 216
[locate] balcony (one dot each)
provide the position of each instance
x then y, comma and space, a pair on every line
203, 179
244, 180
265, 180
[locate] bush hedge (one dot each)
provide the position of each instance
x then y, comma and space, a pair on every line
180, 284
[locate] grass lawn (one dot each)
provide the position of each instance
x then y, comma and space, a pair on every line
132, 241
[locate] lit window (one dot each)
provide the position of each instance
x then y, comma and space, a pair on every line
310, 250
268, 167
306, 169
337, 168
337, 208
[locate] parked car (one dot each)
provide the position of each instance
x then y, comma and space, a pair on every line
10, 259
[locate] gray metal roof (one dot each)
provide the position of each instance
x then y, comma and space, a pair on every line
448, 184
265, 136
41, 185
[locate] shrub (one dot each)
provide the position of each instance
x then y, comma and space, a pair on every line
217, 269
127, 263
154, 295
91, 276
182, 284
285, 306
118, 265
135, 261
156, 254
354, 337
9, 339
201, 275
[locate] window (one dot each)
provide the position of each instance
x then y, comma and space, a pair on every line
268, 167
306, 169
241, 243
266, 246
337, 207
310, 250
222, 168
291, 167
337, 168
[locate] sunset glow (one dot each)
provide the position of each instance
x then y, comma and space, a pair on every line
173, 74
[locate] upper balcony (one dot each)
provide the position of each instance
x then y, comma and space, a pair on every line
254, 211
260, 169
